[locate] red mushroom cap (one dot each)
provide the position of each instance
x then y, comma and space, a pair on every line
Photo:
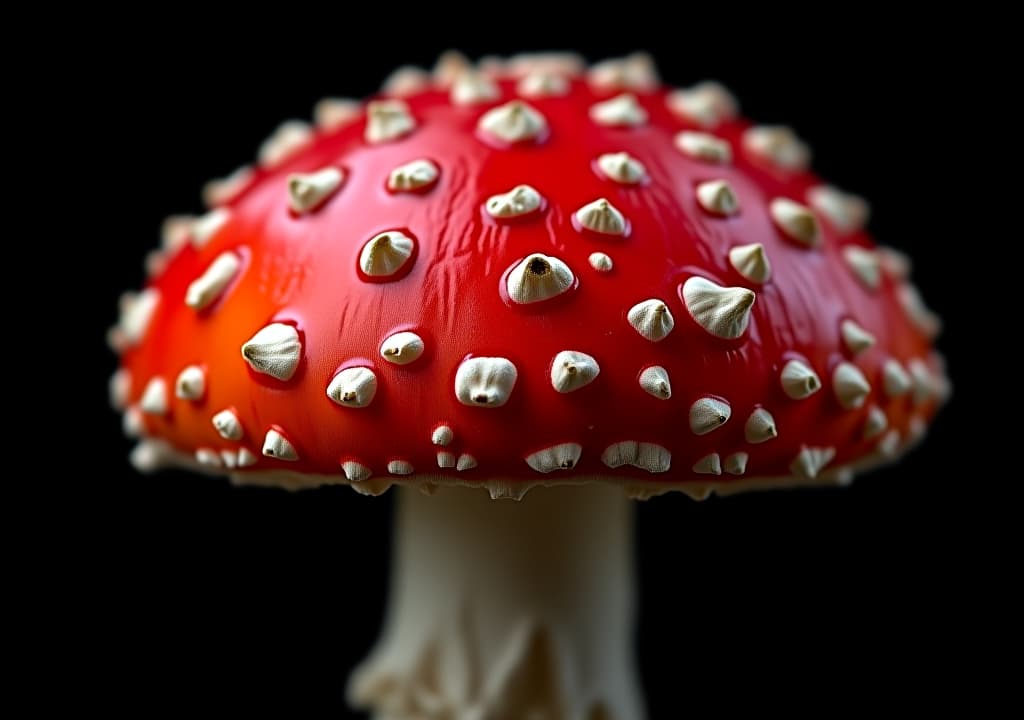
529, 273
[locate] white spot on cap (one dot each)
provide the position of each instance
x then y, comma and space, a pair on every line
920, 315
707, 104
229, 458
275, 350
276, 445
654, 381
718, 197
704, 147
353, 387
622, 168
136, 313
154, 397
132, 423
538, 277
845, 212
119, 388
227, 425
222, 191
540, 84
895, 380
843, 476
406, 80
707, 414
246, 458
736, 464
308, 191
335, 113
865, 265
520, 200
386, 254
916, 430
850, 386
722, 311
572, 370
811, 460
646, 456
889, 445
621, 111
207, 287
175, 231
798, 380
151, 455
652, 319
155, 262
442, 435
855, 338
400, 467
465, 462
777, 145
446, 459
473, 88
601, 216
760, 427
288, 139
921, 381
387, 120
796, 222
564, 456
633, 72
449, 66
415, 175
209, 458
402, 348
600, 262
355, 471
875, 422
190, 384
206, 226
751, 261
895, 264
513, 122
709, 465
559, 63
485, 381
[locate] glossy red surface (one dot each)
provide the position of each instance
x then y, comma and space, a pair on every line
302, 269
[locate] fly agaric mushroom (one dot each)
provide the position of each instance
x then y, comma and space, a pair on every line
517, 275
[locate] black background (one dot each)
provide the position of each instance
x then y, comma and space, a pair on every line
180, 595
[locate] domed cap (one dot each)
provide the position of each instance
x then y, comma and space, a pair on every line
508, 279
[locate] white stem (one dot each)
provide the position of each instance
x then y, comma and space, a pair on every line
504, 609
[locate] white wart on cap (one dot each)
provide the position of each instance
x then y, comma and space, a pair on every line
353, 387
520, 200
572, 370
513, 122
652, 319
485, 381
601, 216
538, 277
275, 351
387, 120
386, 254
723, 311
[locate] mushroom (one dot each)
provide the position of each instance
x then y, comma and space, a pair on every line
633, 291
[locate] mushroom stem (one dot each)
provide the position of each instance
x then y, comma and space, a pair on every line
508, 609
